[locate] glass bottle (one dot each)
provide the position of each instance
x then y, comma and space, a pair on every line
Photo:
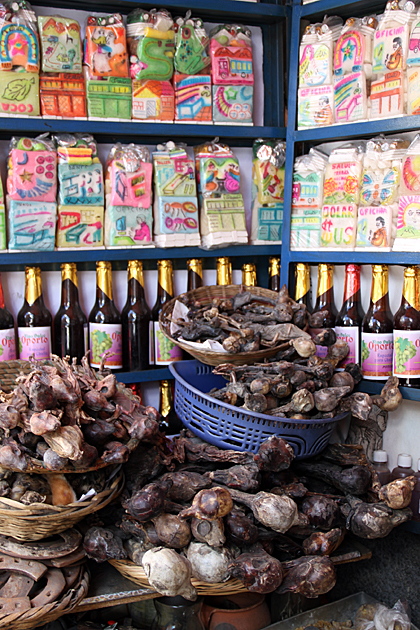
274, 273
7, 331
403, 468
34, 319
224, 271
195, 273
377, 329
348, 325
380, 465
105, 330
406, 364
170, 423
303, 292
70, 322
324, 302
249, 275
415, 497
177, 613
162, 351
135, 321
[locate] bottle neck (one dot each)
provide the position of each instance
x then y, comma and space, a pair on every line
249, 275
33, 286
166, 399
69, 293
352, 284
409, 295
165, 283
103, 284
1, 294
379, 295
195, 274
224, 272
303, 281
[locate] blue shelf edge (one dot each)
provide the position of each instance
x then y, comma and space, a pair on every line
357, 129
145, 376
358, 257
374, 387
326, 6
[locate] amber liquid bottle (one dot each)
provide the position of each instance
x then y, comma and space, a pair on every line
34, 319
195, 273
7, 331
303, 293
169, 421
377, 329
162, 351
224, 271
135, 320
249, 275
406, 363
348, 325
105, 330
274, 274
325, 302
70, 322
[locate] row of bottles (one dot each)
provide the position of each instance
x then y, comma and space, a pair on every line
402, 470
382, 343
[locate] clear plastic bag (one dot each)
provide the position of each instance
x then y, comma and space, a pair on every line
129, 176
106, 47
191, 42
151, 43
228, 65
17, 18
353, 49
32, 169
308, 179
61, 44
316, 51
80, 174
343, 173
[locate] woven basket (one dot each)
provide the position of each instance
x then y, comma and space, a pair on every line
204, 296
38, 520
136, 574
45, 614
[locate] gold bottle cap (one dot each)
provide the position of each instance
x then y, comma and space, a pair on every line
165, 399
33, 285
224, 271
104, 277
135, 270
409, 286
417, 269
249, 275
69, 272
165, 276
302, 280
273, 266
196, 265
379, 282
325, 278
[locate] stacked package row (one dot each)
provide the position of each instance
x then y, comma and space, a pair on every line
159, 69
364, 195
59, 196
368, 68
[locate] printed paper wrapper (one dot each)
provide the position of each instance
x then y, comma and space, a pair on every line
222, 221
390, 45
338, 227
231, 65
408, 224
352, 52
191, 41
131, 188
266, 224
81, 184
80, 227
387, 95
127, 227
19, 94
60, 44
32, 176
267, 183
153, 100
233, 104
413, 56
305, 228
31, 225
109, 98
350, 97
374, 227
219, 176
192, 98
174, 175
413, 91
154, 58
106, 49
316, 106
379, 187
19, 46
315, 62
341, 183
176, 222
62, 95
308, 190
410, 181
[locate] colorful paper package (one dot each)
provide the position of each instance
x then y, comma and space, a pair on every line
408, 224
374, 227
61, 44
219, 175
231, 65
390, 42
413, 56
338, 226
76, 148
81, 184
233, 104
127, 227
109, 98
316, 106
413, 91
151, 44
80, 227
305, 228
410, 182
222, 221
307, 190
153, 100
379, 186
315, 64
342, 181
191, 41
176, 222
62, 95
174, 175
3, 242
19, 47
106, 47
387, 95
350, 97
32, 175
192, 98
31, 225
19, 94
129, 176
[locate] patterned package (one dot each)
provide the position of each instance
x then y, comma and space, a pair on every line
192, 98
408, 224
80, 227
308, 180
410, 181
350, 97
387, 95
62, 95
31, 225
353, 49
209, 149
413, 91
109, 97
231, 55
129, 176
3, 244
127, 227
19, 41
390, 41
19, 93
339, 226
267, 191
374, 227
61, 44
382, 171
32, 172
151, 44
106, 47
233, 104
153, 100
80, 174
413, 56
305, 228
316, 106
191, 42
342, 175
316, 51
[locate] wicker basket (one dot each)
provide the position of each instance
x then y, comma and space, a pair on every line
45, 614
136, 574
38, 520
205, 296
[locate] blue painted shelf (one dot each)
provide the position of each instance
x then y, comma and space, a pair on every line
369, 129
373, 387
317, 10
361, 258
145, 376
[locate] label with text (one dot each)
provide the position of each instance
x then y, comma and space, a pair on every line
407, 353
105, 339
7, 344
165, 351
34, 341
377, 352
349, 334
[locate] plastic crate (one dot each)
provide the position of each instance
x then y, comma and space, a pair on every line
234, 428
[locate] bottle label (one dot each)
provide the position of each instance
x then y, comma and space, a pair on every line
165, 351
7, 344
151, 343
321, 351
34, 341
349, 334
377, 352
106, 338
407, 353
86, 337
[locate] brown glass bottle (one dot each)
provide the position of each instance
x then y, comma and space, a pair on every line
348, 325
195, 273
325, 302
105, 330
224, 271
303, 293
377, 329
274, 273
169, 422
162, 351
249, 275
7, 331
34, 319
70, 322
406, 364
135, 320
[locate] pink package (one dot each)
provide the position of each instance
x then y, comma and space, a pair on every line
131, 189
33, 175
231, 65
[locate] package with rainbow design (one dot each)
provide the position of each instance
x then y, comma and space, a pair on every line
19, 40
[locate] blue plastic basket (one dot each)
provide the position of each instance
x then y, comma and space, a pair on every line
234, 428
